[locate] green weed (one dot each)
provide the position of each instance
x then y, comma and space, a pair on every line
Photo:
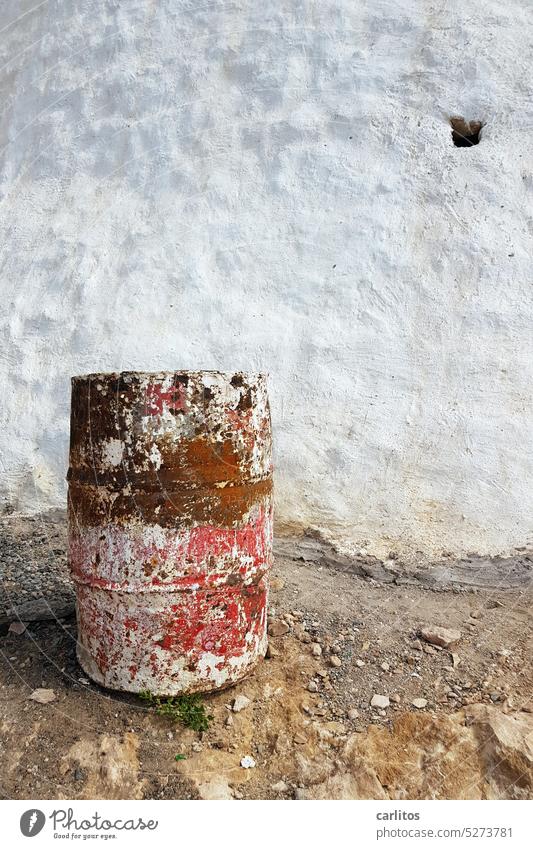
188, 709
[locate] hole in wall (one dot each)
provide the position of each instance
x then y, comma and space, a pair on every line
465, 133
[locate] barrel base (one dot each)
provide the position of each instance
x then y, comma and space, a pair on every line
171, 642
166, 688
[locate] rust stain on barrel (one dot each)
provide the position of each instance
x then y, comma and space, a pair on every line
170, 527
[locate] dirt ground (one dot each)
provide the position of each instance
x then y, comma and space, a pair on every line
309, 728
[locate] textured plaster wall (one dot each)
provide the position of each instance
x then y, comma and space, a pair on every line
262, 185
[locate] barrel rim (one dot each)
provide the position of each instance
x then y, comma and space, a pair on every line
113, 375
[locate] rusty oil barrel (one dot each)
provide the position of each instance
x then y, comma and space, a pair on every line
170, 527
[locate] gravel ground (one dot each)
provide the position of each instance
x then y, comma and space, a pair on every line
449, 722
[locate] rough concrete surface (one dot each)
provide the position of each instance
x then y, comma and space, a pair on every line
274, 187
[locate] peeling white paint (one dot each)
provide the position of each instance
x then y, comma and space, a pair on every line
262, 187
113, 451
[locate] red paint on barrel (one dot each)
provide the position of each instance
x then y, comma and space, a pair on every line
166, 600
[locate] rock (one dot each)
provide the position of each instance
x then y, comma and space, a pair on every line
316, 650
229, 721
247, 762
215, 789
385, 666
278, 628
43, 696
197, 746
359, 663
301, 634
378, 701
456, 660
419, 703
300, 739
279, 787
312, 687
271, 652
41, 609
276, 584
395, 698
335, 661
444, 637
240, 702
335, 727
353, 714
283, 745
300, 793
17, 628
480, 753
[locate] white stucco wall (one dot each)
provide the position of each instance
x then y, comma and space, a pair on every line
262, 185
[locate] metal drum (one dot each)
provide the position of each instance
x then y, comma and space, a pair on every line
170, 527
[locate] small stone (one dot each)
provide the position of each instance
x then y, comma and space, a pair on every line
79, 774
419, 703
271, 652
279, 787
322, 672
43, 696
300, 793
17, 628
312, 687
359, 663
229, 721
300, 739
444, 637
378, 701
335, 727
353, 714
385, 666
276, 584
197, 746
395, 698
495, 697
335, 661
316, 650
240, 702
247, 762
456, 660
278, 628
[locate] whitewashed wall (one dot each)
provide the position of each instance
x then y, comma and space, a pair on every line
273, 186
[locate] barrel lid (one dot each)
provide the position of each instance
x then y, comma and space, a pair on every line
161, 375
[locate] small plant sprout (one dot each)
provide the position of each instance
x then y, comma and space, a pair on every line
188, 709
